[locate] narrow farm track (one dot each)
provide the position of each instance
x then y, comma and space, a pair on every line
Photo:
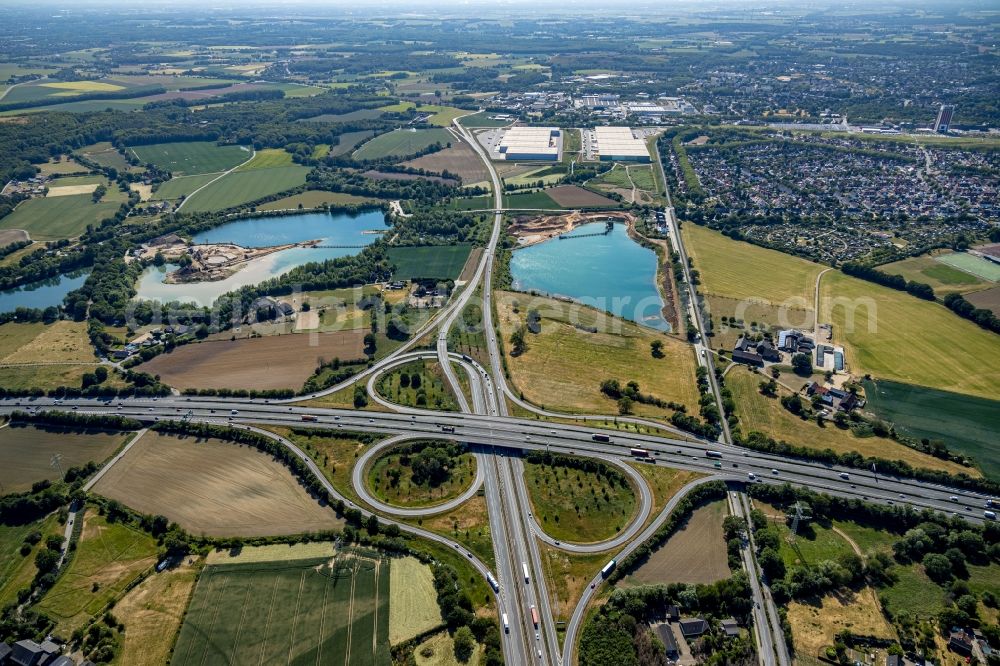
253, 154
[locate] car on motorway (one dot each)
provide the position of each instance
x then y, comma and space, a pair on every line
774, 471
954, 498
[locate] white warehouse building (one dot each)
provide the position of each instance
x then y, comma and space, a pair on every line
618, 144
530, 143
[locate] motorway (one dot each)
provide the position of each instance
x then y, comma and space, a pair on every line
498, 441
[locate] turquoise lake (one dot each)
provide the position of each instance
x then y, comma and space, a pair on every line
610, 272
330, 228
43, 293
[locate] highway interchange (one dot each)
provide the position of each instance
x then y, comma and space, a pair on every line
498, 439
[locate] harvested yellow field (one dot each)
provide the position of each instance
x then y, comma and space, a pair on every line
740, 270
413, 607
815, 627
893, 335
144, 191
152, 613
565, 364
70, 190
276, 552
766, 415
214, 488
63, 342
84, 86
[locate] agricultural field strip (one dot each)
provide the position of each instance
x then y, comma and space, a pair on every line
221, 175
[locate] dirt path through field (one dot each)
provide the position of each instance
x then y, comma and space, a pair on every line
253, 154
857, 551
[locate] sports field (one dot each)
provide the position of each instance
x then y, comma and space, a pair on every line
52, 218
213, 487
402, 143
29, 454
565, 365
941, 276
443, 262
241, 187
184, 158
318, 611
744, 271
966, 424
766, 415
972, 264
696, 553
893, 335
107, 558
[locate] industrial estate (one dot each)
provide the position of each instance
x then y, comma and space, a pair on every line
447, 334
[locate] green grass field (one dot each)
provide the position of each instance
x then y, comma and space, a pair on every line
578, 506
16, 570
741, 270
616, 176
405, 492
565, 365
315, 199
545, 174
443, 262
433, 392
944, 279
482, 120
191, 157
26, 453
293, 612
108, 557
349, 141
766, 415
913, 592
471, 203
972, 264
175, 188
241, 187
538, 199
52, 218
402, 143
892, 335
268, 158
814, 543
440, 115
105, 154
966, 424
